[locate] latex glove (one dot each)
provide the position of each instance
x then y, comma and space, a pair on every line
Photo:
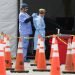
34, 14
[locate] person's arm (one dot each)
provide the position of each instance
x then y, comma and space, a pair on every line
22, 18
31, 18
28, 19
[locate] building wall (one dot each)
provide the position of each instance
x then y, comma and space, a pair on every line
54, 8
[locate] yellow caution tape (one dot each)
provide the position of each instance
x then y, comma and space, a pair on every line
33, 37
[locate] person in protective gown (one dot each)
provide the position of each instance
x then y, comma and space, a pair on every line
25, 28
39, 24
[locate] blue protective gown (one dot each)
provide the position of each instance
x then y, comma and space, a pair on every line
25, 30
39, 25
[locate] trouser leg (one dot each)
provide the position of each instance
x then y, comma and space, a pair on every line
25, 43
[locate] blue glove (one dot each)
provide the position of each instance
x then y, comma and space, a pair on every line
34, 14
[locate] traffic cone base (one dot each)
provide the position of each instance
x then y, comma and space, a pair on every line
19, 65
33, 64
36, 64
10, 69
14, 71
69, 72
37, 70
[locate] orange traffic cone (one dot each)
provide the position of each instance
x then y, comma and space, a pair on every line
19, 67
69, 65
73, 52
41, 64
37, 51
73, 57
8, 60
55, 62
2, 59
52, 47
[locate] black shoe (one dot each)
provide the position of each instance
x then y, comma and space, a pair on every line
34, 52
27, 60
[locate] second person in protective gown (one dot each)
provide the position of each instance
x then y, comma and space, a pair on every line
39, 25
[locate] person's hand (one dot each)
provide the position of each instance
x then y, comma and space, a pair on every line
34, 14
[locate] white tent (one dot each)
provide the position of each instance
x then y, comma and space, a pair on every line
9, 21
